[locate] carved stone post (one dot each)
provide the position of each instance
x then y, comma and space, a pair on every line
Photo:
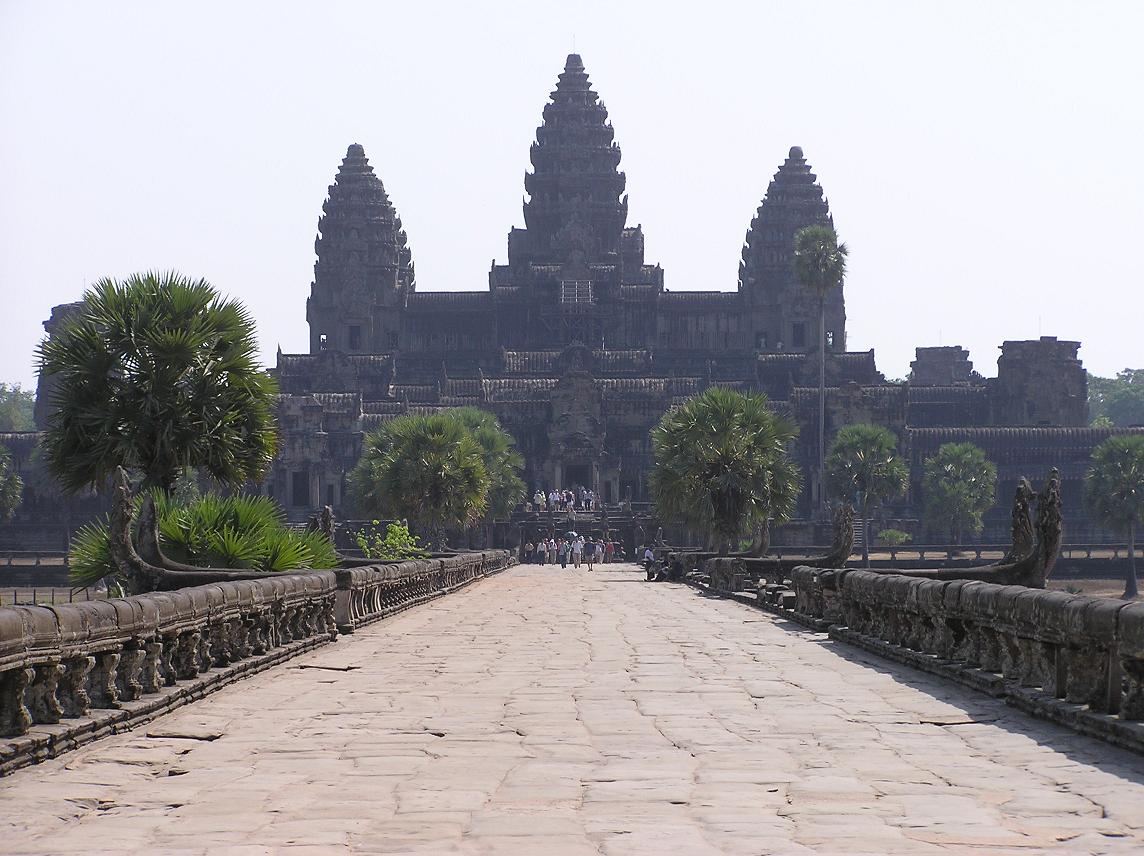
104, 692
41, 695
73, 695
15, 718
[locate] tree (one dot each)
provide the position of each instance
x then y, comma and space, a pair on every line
820, 265
959, 484
428, 468
11, 486
864, 460
1114, 493
16, 408
722, 465
502, 461
156, 373
1117, 401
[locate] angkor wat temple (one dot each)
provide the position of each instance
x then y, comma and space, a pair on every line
579, 349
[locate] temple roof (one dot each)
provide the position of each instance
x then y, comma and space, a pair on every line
462, 301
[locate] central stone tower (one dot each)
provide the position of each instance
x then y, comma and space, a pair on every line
575, 251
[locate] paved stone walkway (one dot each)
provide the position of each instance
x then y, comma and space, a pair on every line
559, 713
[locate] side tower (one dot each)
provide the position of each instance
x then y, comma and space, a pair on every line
784, 315
364, 271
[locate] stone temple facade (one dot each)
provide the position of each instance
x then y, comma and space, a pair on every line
579, 349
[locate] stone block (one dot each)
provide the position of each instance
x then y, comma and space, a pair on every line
13, 641
1093, 620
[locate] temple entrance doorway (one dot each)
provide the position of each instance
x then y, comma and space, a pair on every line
578, 475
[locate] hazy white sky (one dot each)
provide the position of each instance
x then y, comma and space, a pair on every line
983, 160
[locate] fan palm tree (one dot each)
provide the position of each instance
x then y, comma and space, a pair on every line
502, 460
959, 484
864, 460
820, 265
424, 467
1114, 493
158, 372
722, 465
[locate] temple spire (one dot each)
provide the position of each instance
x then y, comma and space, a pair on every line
794, 200
364, 264
576, 208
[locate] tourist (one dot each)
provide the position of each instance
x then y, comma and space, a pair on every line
529, 552
589, 552
577, 550
562, 551
541, 550
538, 500
609, 551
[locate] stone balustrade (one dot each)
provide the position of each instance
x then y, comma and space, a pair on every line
372, 592
108, 664
1075, 659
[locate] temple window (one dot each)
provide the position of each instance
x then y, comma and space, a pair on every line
355, 337
299, 488
799, 335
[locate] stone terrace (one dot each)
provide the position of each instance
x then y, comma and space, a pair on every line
553, 712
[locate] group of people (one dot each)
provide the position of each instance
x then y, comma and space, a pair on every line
573, 549
577, 498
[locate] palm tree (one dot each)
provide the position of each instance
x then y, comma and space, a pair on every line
959, 485
722, 466
864, 460
428, 468
820, 265
1114, 493
503, 462
158, 372
11, 486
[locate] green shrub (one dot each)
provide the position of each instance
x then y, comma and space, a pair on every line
894, 537
243, 532
397, 545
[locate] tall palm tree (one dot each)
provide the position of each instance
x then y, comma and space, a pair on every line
959, 484
158, 372
1114, 493
864, 460
820, 265
428, 468
722, 465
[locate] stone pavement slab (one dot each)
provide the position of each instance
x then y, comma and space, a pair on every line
549, 712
